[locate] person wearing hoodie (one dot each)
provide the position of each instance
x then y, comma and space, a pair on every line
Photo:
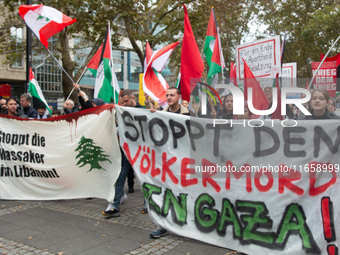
318, 106
42, 111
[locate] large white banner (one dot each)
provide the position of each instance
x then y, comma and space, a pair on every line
260, 190
71, 156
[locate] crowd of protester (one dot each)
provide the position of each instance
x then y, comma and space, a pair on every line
321, 106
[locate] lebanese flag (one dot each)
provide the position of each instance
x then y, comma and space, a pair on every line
106, 85
94, 62
233, 78
148, 55
34, 90
191, 62
44, 21
212, 47
153, 82
260, 101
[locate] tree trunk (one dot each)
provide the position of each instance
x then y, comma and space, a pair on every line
69, 66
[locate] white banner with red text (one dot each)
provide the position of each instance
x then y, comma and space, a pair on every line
254, 186
67, 157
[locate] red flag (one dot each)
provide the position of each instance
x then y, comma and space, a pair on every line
260, 101
337, 59
277, 114
94, 62
233, 78
191, 62
321, 56
334, 58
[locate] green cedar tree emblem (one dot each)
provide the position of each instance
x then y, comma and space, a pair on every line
42, 17
91, 154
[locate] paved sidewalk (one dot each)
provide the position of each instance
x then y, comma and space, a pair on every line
78, 227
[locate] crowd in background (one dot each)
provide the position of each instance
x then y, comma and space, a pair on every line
321, 106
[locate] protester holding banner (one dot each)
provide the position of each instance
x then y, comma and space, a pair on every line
12, 108
319, 106
25, 100
173, 95
127, 99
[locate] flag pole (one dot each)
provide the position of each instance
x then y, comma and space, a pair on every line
81, 76
221, 53
323, 60
59, 64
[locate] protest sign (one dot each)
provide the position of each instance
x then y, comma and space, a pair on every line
262, 56
326, 76
289, 74
71, 156
266, 189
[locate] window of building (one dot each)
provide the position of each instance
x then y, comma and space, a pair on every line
134, 57
118, 69
17, 46
49, 76
135, 71
118, 54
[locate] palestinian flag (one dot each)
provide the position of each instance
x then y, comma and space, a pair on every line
106, 85
94, 62
212, 47
44, 21
35, 91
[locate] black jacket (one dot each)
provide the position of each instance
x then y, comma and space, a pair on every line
73, 110
31, 112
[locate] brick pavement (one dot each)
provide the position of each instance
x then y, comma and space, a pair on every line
78, 227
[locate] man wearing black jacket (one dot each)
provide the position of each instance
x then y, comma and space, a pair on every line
127, 99
25, 100
69, 107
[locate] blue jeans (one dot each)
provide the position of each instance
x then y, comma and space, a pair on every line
121, 180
